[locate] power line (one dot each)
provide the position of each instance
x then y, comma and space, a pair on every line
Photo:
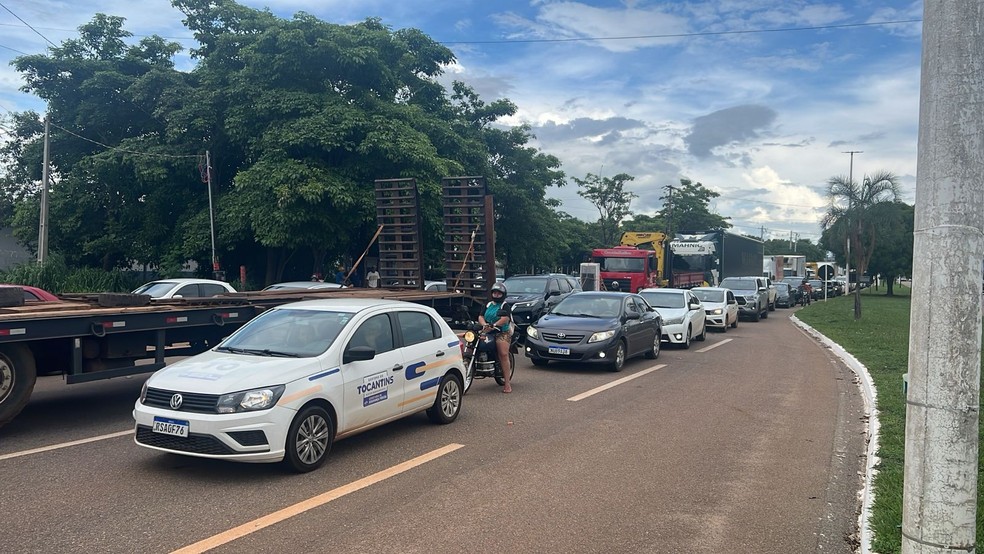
28, 25
14, 50
124, 150
685, 35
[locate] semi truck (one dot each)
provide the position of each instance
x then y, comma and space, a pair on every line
779, 266
89, 337
638, 262
717, 254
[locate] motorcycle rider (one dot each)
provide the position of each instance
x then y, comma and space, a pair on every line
806, 291
500, 315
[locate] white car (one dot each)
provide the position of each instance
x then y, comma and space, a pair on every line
184, 288
720, 305
682, 312
294, 379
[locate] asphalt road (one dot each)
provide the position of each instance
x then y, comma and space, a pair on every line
749, 442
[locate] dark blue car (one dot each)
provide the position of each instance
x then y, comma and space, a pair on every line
596, 327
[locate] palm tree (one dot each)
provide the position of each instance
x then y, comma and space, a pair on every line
859, 198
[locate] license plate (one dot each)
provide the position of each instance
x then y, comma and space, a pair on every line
167, 426
559, 350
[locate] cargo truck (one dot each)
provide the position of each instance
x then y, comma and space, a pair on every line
717, 254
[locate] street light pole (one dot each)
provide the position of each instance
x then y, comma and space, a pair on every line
850, 179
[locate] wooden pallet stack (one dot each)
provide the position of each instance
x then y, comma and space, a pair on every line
401, 251
469, 235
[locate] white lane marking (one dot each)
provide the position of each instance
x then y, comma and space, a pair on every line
715, 345
615, 383
313, 502
64, 445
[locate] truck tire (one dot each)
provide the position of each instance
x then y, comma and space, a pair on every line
17, 378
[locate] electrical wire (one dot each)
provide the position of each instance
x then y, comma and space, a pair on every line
124, 150
28, 25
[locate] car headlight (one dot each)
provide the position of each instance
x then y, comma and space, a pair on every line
469, 336
674, 320
751, 299
532, 332
716, 311
250, 400
143, 392
523, 305
601, 335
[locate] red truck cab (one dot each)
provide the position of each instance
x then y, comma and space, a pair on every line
632, 268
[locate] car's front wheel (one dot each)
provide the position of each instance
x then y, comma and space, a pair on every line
447, 405
309, 439
686, 337
618, 361
703, 333
653, 352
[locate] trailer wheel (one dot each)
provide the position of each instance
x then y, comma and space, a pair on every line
17, 378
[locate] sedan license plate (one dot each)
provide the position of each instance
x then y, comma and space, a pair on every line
167, 426
559, 350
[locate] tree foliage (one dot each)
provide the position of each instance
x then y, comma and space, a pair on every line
609, 196
802, 247
854, 204
686, 209
299, 117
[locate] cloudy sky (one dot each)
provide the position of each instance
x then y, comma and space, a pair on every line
759, 100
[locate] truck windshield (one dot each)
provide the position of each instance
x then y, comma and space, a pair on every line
629, 265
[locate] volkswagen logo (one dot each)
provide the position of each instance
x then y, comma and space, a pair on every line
176, 401
561, 335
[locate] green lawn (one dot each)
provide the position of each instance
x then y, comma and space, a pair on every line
880, 340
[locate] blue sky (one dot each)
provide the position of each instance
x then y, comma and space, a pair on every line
720, 91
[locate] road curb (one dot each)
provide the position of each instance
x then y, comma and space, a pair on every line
868, 394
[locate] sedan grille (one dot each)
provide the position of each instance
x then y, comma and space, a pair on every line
194, 443
565, 339
190, 402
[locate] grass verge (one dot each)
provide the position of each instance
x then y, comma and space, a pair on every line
880, 340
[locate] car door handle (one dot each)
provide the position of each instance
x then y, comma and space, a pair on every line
440, 353
397, 367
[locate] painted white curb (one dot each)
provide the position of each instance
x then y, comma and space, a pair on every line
868, 393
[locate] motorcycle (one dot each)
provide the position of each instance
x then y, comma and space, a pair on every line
805, 296
481, 357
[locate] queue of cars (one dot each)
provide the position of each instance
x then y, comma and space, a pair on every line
291, 381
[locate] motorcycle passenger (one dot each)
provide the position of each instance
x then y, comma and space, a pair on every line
498, 313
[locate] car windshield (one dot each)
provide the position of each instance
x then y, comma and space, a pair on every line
587, 305
664, 299
782, 287
710, 295
156, 289
288, 332
739, 284
522, 285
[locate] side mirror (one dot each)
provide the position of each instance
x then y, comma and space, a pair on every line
553, 292
740, 300
632, 315
178, 296
358, 354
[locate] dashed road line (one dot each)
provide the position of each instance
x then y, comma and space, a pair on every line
64, 445
715, 345
615, 383
313, 502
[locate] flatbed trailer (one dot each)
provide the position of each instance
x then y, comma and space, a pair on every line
90, 337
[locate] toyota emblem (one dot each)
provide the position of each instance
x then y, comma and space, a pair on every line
176, 401
561, 335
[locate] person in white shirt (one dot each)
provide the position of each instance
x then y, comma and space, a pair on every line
372, 278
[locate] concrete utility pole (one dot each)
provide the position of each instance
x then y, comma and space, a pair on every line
43, 224
940, 495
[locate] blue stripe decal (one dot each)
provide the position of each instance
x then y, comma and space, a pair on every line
430, 383
453, 344
325, 374
411, 372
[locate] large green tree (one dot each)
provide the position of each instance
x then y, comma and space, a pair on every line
609, 196
854, 203
686, 209
801, 247
299, 116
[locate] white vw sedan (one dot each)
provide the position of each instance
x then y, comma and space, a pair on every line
683, 314
294, 379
